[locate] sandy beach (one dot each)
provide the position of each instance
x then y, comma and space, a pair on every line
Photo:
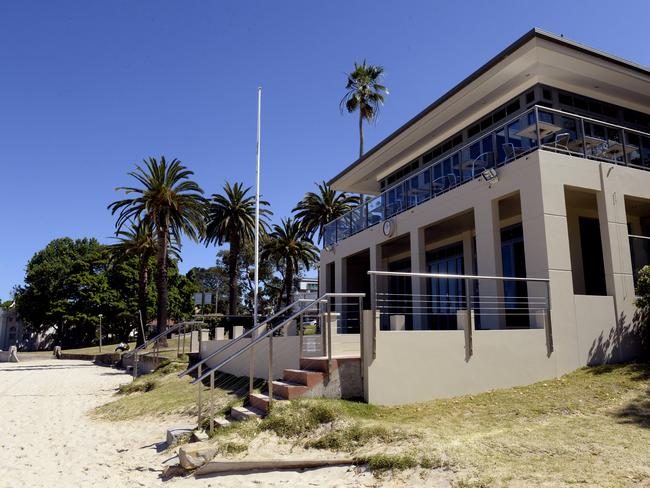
47, 438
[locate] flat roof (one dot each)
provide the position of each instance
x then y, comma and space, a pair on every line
533, 33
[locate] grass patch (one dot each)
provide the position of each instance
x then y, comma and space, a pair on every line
137, 386
389, 462
299, 418
352, 437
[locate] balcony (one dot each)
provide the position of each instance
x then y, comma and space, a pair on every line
550, 129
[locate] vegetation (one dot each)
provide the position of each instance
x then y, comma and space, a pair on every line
643, 303
317, 209
70, 282
172, 204
589, 427
231, 219
290, 248
364, 93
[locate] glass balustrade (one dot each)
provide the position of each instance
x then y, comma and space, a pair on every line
550, 129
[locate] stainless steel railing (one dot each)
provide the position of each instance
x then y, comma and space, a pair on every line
538, 127
323, 306
441, 301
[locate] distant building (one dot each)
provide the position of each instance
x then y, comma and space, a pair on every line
306, 288
11, 328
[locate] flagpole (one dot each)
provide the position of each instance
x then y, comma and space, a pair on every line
257, 234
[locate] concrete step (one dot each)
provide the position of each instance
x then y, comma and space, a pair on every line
220, 422
245, 413
314, 364
304, 377
289, 390
261, 401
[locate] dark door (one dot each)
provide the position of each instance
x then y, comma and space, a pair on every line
591, 246
515, 293
447, 294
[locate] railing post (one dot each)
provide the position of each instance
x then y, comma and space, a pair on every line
547, 321
584, 141
184, 336
539, 139
469, 347
270, 383
361, 339
200, 399
135, 366
329, 337
178, 343
211, 401
300, 334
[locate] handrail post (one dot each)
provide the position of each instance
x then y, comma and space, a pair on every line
584, 141
539, 138
211, 401
329, 337
270, 383
361, 339
468, 324
547, 322
184, 329
300, 334
200, 400
178, 343
135, 366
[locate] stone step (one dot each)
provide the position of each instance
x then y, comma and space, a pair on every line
289, 390
314, 364
245, 413
261, 401
304, 377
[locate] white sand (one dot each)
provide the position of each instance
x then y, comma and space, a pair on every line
47, 438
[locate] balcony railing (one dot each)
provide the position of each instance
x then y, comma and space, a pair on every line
550, 129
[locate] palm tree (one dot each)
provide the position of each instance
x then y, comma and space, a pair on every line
172, 204
289, 246
316, 209
231, 219
364, 93
139, 242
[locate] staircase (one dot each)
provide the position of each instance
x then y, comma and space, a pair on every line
309, 380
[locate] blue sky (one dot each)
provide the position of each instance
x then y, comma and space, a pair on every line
88, 89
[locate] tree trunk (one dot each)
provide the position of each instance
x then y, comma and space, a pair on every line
360, 133
289, 282
161, 283
143, 283
233, 274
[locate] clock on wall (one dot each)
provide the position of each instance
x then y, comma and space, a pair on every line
388, 227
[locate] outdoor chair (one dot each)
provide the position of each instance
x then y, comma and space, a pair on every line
511, 151
561, 142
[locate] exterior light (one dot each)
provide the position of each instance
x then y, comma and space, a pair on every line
490, 175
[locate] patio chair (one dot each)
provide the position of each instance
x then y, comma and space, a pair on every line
561, 142
511, 151
481, 163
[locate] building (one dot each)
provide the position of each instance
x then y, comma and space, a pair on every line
11, 329
524, 193
306, 288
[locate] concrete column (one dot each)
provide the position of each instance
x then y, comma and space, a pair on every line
617, 257
418, 285
486, 222
375, 265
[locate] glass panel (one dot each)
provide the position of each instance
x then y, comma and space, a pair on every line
418, 188
343, 227
376, 210
394, 200
358, 219
329, 233
633, 148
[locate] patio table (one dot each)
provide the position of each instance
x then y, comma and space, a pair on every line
545, 129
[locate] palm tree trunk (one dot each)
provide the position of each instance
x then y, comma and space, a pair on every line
143, 283
161, 283
360, 133
289, 281
233, 272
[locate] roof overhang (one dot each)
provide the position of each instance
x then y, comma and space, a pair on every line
537, 57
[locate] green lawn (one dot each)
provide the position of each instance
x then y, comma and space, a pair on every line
588, 428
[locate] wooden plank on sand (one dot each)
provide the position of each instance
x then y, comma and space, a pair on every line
214, 467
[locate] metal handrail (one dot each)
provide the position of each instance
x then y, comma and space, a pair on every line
454, 276
271, 331
237, 339
169, 330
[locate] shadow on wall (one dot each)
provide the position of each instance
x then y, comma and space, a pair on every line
628, 340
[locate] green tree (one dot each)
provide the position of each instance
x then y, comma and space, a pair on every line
289, 246
173, 204
364, 93
316, 209
231, 219
66, 288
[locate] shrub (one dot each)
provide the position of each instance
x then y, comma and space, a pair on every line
355, 436
389, 462
138, 385
643, 302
